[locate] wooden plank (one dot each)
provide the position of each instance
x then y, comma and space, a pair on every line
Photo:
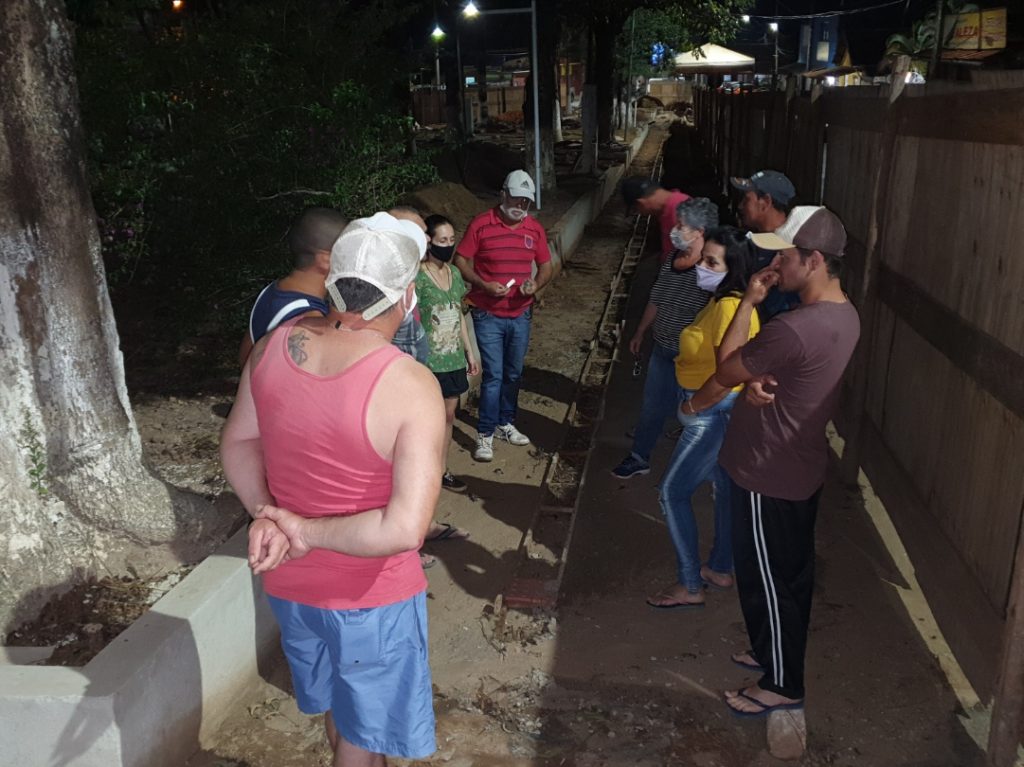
1008, 705
860, 114
953, 439
969, 623
965, 253
985, 117
996, 368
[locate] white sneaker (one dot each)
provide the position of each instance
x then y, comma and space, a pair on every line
484, 447
512, 435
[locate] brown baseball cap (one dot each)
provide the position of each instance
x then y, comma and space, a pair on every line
810, 227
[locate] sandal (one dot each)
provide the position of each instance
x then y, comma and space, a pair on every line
448, 532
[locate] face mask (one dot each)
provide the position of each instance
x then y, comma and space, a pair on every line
515, 214
708, 279
442, 252
678, 242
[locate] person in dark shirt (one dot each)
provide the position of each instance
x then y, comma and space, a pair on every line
767, 198
775, 451
310, 239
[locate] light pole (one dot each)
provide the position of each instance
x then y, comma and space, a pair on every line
470, 12
437, 36
774, 27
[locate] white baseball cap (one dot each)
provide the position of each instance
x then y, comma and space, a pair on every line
381, 250
519, 184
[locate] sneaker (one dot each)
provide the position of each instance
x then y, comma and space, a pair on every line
512, 435
631, 467
484, 447
450, 482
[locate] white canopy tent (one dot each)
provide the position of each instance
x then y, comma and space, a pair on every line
715, 59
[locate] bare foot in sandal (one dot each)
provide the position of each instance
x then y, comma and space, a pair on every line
442, 531
716, 580
676, 597
753, 701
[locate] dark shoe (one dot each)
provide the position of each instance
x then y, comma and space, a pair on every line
450, 482
631, 467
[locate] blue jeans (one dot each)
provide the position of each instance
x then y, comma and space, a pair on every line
502, 342
695, 460
661, 398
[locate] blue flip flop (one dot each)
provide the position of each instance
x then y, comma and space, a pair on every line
763, 708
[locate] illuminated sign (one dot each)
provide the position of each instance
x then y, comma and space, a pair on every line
977, 30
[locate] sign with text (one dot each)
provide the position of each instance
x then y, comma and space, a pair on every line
976, 30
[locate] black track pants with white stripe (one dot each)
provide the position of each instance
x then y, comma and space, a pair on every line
773, 551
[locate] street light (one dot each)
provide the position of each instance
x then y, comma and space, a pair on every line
437, 36
774, 27
470, 11
745, 18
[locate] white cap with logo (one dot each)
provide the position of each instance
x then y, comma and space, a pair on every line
519, 184
381, 250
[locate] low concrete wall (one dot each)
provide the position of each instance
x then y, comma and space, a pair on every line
152, 695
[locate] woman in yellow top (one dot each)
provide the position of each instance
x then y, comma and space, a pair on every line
727, 262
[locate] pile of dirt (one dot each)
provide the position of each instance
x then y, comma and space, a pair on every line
81, 622
453, 201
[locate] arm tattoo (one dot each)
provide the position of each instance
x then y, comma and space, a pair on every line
296, 341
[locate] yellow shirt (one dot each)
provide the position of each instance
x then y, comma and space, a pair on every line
697, 343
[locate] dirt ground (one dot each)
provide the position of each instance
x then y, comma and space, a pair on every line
602, 680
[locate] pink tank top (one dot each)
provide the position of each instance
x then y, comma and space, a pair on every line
320, 462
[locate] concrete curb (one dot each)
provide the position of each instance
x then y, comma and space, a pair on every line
151, 696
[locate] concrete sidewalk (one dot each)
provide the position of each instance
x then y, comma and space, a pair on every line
876, 696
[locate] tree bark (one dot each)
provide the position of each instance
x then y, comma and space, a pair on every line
605, 34
78, 499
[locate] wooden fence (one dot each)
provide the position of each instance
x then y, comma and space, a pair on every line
930, 185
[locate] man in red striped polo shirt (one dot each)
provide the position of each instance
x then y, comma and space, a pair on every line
496, 258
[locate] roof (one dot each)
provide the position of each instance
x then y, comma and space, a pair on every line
715, 59
831, 71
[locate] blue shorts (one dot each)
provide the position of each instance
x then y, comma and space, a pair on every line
368, 667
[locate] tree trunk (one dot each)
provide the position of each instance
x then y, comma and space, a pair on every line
77, 497
605, 35
588, 113
549, 29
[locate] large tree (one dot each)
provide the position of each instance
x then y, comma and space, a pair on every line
78, 498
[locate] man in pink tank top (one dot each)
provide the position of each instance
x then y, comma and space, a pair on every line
335, 445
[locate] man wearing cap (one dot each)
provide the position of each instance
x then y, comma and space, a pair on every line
310, 239
646, 197
764, 207
496, 258
335, 445
776, 454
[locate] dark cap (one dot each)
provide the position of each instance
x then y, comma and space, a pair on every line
809, 227
769, 182
635, 188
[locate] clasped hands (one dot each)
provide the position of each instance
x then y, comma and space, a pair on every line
275, 536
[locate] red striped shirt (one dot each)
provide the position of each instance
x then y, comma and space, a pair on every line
500, 253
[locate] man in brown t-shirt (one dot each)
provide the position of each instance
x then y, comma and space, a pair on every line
776, 452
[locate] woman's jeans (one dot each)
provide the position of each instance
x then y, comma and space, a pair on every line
695, 460
661, 398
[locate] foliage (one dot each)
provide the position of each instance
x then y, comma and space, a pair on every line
209, 129
35, 454
920, 43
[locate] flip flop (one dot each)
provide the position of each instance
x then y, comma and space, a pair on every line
763, 708
674, 605
427, 561
743, 664
448, 532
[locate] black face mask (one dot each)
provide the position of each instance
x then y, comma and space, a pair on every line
442, 253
